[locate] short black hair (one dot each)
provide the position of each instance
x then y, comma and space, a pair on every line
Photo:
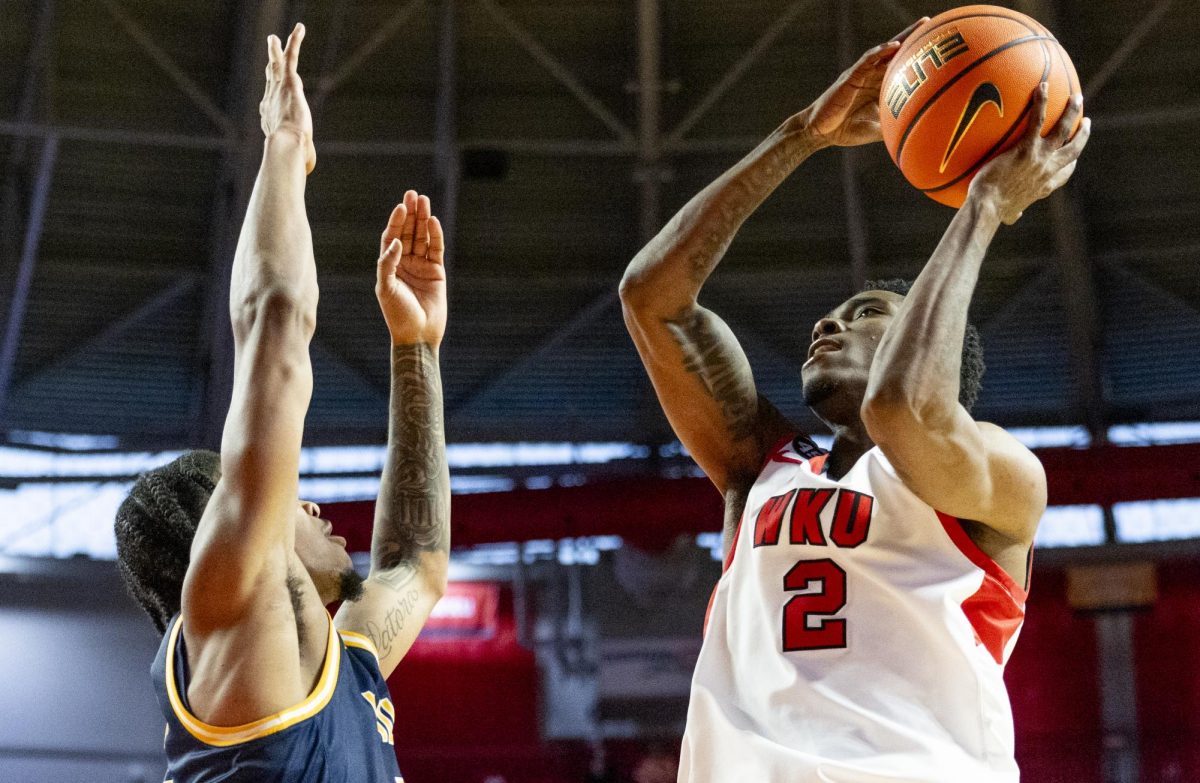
155, 526
971, 375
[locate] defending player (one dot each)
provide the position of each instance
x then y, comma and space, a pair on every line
256, 681
871, 594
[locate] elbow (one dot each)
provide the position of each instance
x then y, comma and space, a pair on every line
437, 575
633, 288
889, 413
275, 305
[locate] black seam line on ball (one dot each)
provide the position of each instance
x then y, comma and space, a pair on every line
941, 90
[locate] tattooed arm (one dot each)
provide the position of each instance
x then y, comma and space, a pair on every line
410, 544
698, 369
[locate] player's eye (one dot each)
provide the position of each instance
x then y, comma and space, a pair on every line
866, 310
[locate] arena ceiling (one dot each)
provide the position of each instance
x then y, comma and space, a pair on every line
553, 135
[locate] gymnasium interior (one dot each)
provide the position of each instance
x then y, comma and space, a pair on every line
555, 137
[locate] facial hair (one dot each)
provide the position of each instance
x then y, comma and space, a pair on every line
350, 587
818, 390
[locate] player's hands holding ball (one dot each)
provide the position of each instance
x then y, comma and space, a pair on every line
283, 108
1037, 166
410, 276
847, 114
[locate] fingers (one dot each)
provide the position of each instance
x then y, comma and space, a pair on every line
393, 228
1074, 148
1061, 176
292, 51
407, 234
437, 242
1066, 123
1037, 105
275, 56
421, 235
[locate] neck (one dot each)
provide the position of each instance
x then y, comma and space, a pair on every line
850, 441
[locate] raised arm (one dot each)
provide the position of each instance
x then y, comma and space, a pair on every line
972, 470
410, 544
698, 369
247, 529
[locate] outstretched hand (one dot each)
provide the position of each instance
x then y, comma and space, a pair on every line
1038, 165
411, 276
283, 106
847, 114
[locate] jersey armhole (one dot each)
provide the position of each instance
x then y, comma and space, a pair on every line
226, 736
958, 535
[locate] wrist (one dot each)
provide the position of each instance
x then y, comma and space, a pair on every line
797, 130
984, 204
404, 345
287, 139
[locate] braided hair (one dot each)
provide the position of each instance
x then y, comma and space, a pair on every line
155, 526
971, 375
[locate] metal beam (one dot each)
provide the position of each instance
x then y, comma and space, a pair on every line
1126, 48
137, 138
649, 85
1118, 696
253, 22
113, 331
329, 62
351, 64
526, 362
737, 70
1077, 285
24, 280
445, 126
1034, 286
856, 220
1078, 290
556, 69
185, 83
36, 71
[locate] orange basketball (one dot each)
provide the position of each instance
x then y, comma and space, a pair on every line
957, 94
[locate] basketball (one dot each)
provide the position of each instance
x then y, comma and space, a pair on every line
957, 94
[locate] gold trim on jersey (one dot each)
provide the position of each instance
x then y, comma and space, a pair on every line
224, 736
353, 639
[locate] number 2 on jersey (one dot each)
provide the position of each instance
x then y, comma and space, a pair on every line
825, 633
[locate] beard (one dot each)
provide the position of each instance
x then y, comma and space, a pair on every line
818, 390
350, 585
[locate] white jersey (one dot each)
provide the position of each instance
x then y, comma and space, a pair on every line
856, 636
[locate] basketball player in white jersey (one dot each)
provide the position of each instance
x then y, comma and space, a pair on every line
871, 594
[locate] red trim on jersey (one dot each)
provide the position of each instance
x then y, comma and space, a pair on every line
724, 567
776, 454
997, 609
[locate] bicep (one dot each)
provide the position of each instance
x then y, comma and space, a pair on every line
705, 385
394, 607
970, 470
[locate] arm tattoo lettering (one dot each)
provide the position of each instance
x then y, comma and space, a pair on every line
412, 514
724, 378
385, 633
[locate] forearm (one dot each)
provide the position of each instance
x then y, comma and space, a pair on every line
274, 250
673, 266
919, 360
412, 514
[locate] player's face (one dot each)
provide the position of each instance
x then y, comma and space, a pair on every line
323, 554
841, 350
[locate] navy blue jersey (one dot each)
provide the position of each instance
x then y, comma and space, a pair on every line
341, 733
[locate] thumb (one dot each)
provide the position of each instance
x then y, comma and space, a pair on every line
388, 262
